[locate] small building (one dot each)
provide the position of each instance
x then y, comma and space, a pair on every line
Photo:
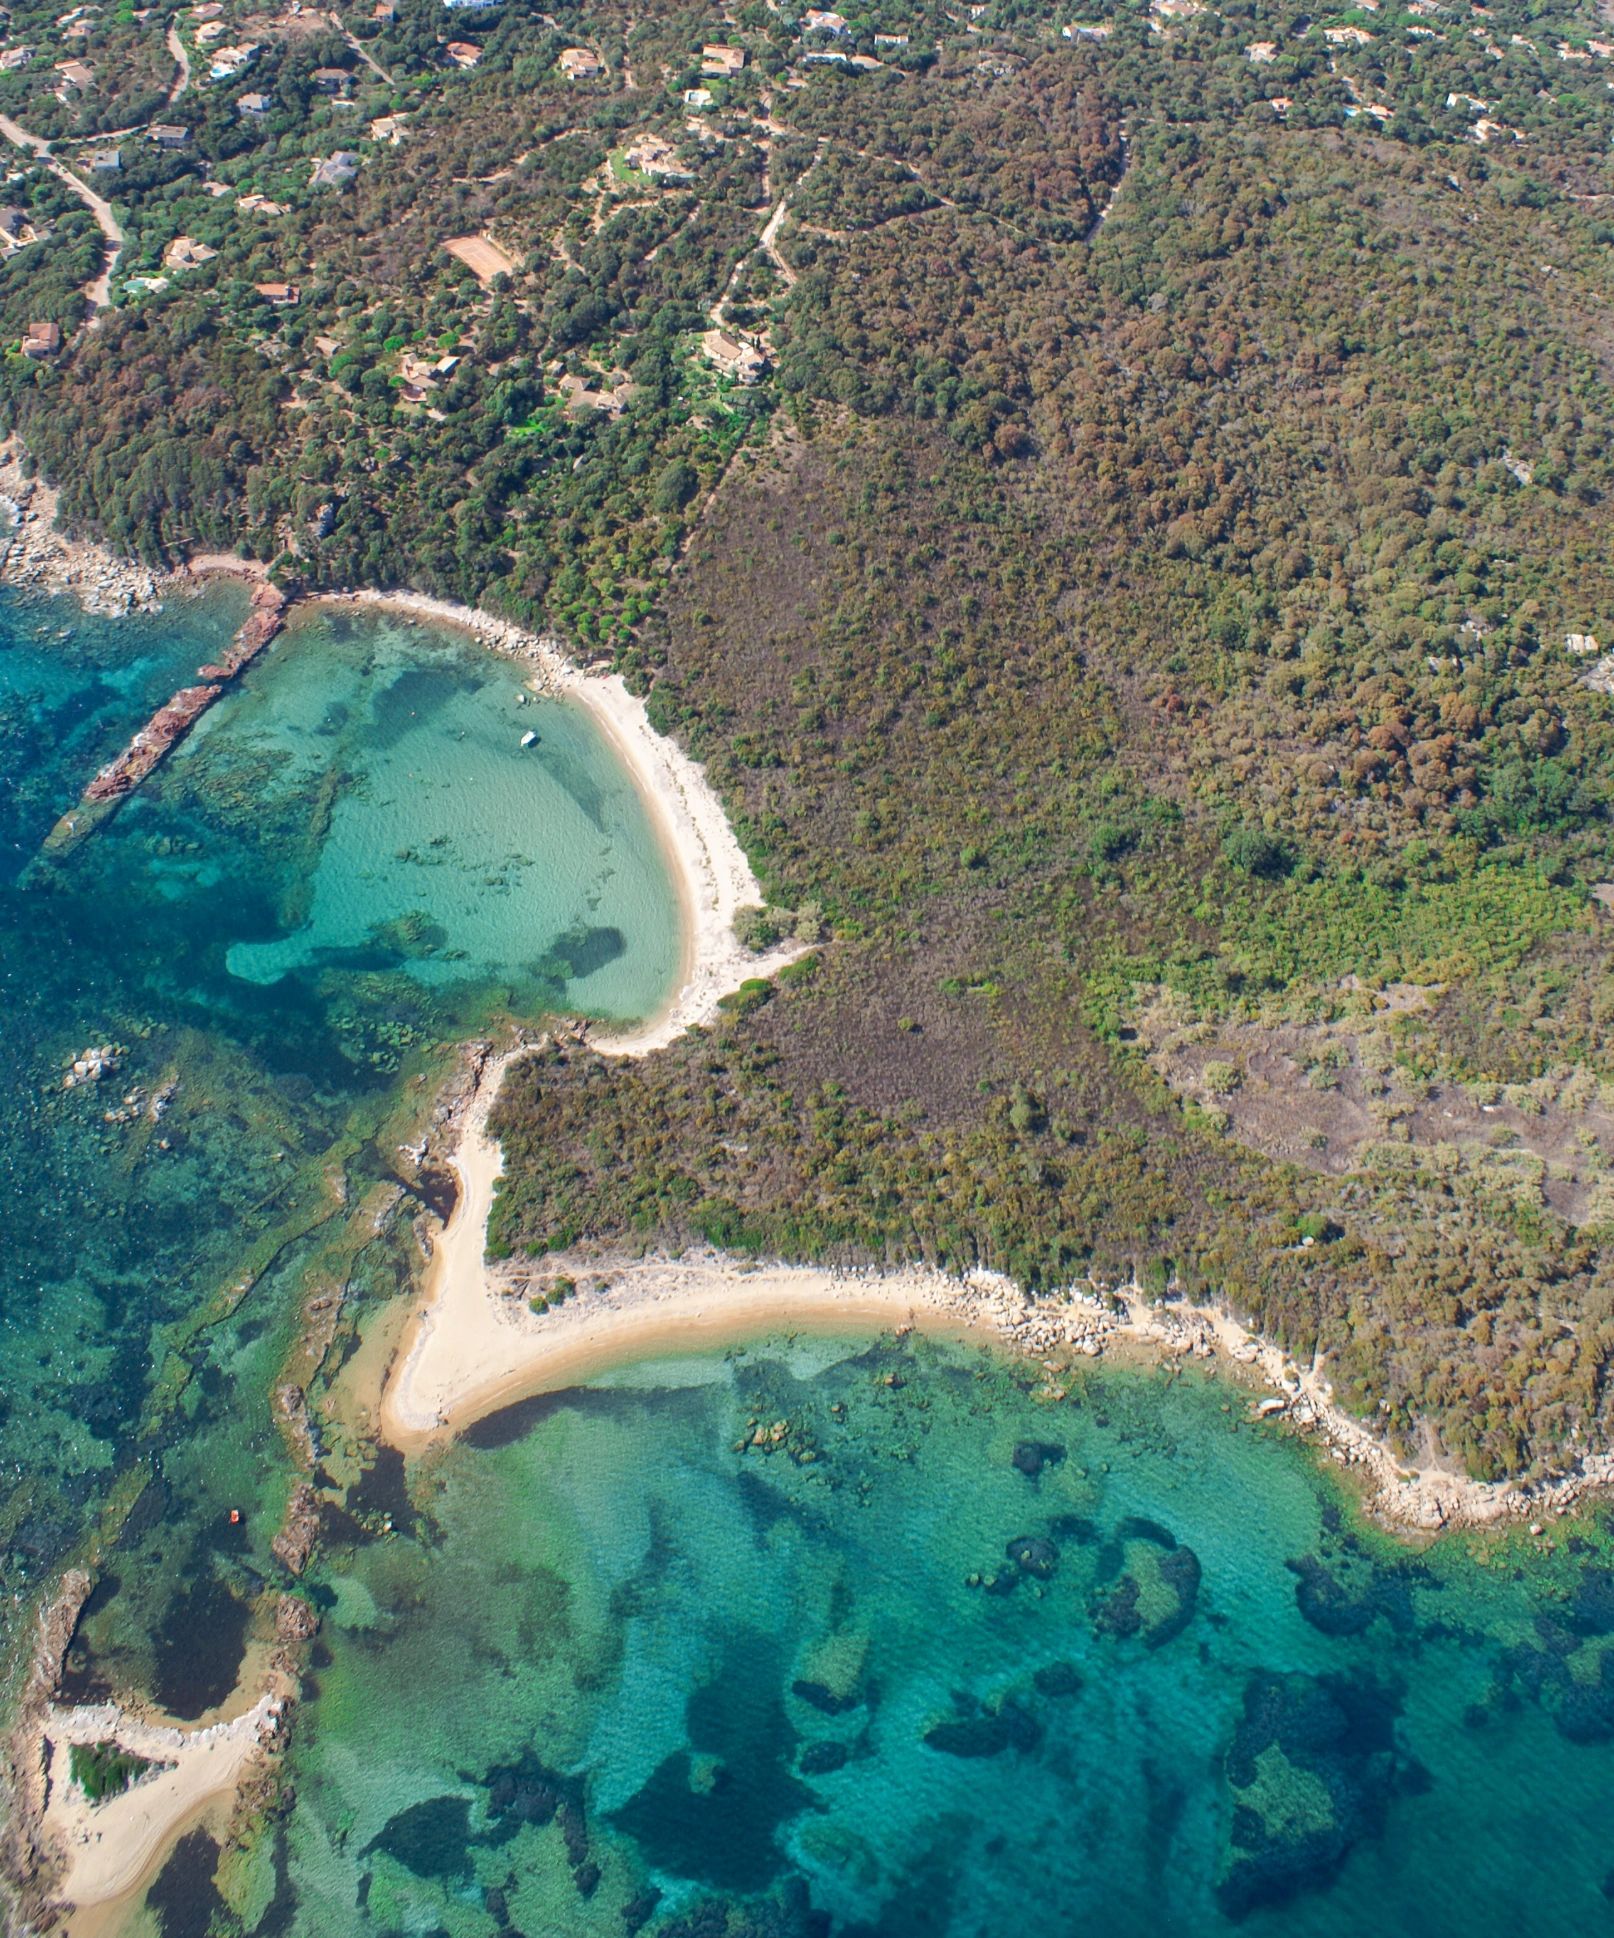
1347, 36
12, 223
167, 135
699, 98
901, 40
658, 159
106, 161
229, 61
718, 61
388, 128
15, 57
463, 53
185, 252
816, 21
208, 10
42, 340
214, 30
336, 171
331, 80
254, 104
580, 64
733, 357
471, 6
283, 296
76, 75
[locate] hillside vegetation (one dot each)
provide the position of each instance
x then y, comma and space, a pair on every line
1147, 619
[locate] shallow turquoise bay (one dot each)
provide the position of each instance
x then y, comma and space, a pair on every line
350, 866
949, 1660
940, 1658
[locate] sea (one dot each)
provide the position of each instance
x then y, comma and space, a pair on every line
272, 953
856, 1638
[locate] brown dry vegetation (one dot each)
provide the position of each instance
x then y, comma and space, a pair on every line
1081, 619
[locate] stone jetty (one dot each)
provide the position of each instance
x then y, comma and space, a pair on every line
171, 722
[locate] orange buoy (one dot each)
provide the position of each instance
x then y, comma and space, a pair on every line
235, 1517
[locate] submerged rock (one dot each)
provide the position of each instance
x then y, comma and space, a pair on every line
1057, 1679
1033, 1556
432, 1839
1312, 1769
1031, 1456
988, 1734
831, 1678
1326, 1602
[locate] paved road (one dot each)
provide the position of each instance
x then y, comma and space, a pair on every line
98, 291
182, 80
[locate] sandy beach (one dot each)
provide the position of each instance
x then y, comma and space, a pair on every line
476, 1346
110, 1850
112, 1847
708, 866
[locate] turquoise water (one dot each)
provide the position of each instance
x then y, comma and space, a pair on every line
348, 868
948, 1660
937, 1657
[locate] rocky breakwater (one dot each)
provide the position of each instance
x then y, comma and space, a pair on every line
171, 722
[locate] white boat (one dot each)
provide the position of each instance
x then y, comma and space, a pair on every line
529, 739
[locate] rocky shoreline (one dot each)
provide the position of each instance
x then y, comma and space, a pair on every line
28, 1860
37, 556
1405, 1498
624, 1303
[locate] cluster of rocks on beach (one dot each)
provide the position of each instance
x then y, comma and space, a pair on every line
1091, 1321
35, 556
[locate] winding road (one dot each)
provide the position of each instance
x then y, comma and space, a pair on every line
182, 79
98, 291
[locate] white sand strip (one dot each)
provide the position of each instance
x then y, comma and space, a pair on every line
713, 878
112, 1846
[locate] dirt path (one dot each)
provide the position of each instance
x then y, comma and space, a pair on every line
768, 241
98, 291
1104, 213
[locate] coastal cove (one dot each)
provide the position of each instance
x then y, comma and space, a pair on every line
590, 1476
807, 961
884, 1635
348, 867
